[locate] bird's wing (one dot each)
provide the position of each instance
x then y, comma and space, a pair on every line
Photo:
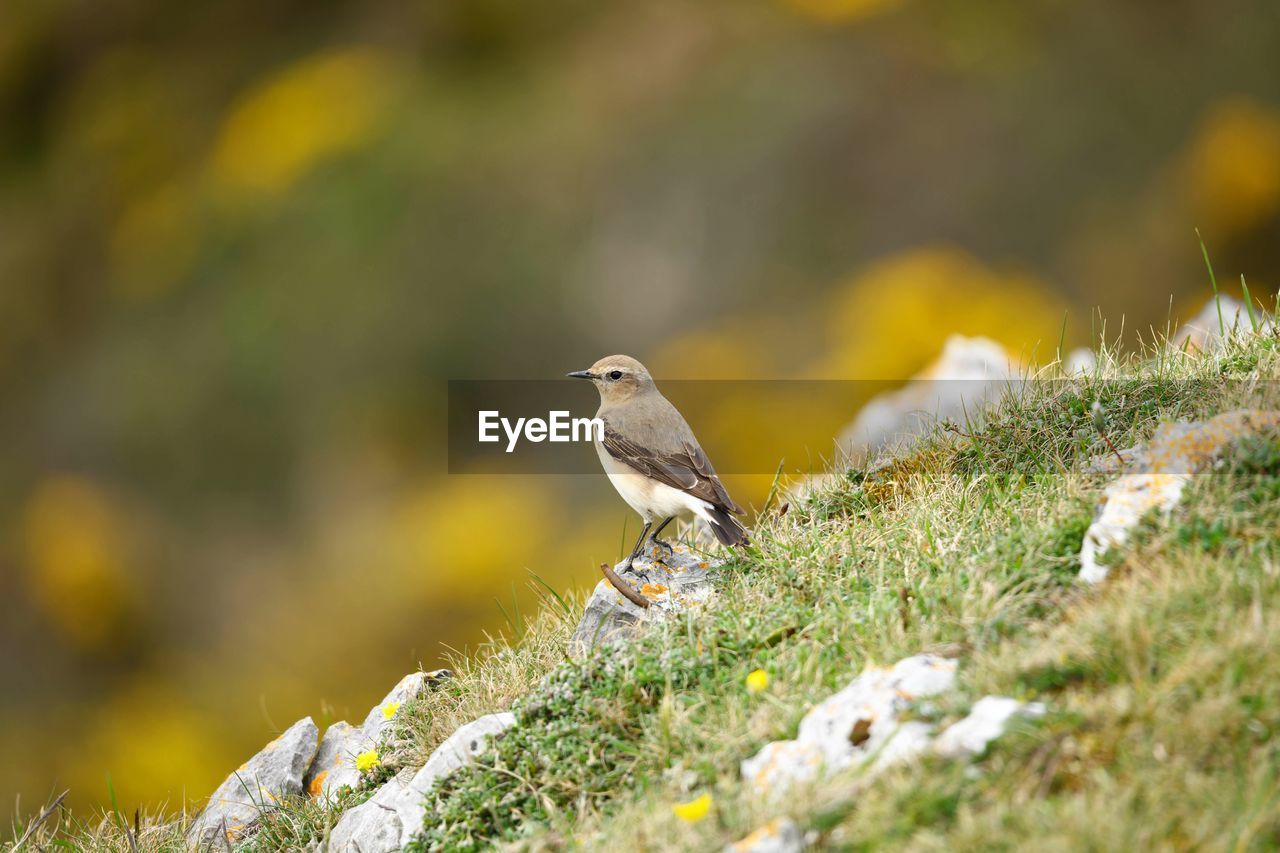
684, 466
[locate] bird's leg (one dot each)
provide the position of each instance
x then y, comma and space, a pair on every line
659, 546
626, 564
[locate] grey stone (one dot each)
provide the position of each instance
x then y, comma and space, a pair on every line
335, 762
379, 718
780, 835
390, 819
967, 377
271, 775
859, 724
986, 721
1222, 318
679, 581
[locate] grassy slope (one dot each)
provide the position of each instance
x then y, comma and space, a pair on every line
1162, 684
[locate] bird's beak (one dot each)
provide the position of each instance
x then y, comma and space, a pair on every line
581, 374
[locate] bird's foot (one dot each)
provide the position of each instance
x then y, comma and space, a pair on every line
660, 550
642, 570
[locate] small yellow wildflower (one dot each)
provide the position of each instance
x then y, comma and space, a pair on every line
366, 761
389, 709
757, 680
694, 810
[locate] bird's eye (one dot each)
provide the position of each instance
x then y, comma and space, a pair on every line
615, 375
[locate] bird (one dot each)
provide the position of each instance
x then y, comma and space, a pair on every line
653, 459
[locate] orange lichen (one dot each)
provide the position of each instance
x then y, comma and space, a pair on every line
317, 784
1175, 453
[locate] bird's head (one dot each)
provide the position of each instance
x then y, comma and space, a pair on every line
617, 378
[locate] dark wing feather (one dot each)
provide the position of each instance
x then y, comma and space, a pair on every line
686, 468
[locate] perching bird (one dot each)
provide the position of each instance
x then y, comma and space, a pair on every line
652, 457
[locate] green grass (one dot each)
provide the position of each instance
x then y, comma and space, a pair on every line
1162, 685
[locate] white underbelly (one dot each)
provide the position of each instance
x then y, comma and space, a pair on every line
653, 500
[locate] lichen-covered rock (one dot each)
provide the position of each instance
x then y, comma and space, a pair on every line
273, 774
986, 721
335, 762
780, 835
389, 819
863, 726
1160, 472
855, 725
676, 582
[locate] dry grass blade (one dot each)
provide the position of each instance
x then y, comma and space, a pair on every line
41, 818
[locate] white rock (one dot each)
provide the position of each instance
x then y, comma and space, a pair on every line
908, 741
969, 374
782, 763
271, 775
380, 716
780, 835
390, 819
1080, 360
986, 721
1207, 329
679, 581
854, 725
1161, 472
335, 762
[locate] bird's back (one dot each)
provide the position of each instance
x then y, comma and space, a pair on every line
650, 421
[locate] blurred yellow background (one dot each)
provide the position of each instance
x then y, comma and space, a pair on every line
244, 245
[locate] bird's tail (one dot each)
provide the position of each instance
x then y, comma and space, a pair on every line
726, 527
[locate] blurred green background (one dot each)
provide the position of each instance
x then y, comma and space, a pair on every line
244, 244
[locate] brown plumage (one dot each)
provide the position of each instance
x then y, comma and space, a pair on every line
651, 455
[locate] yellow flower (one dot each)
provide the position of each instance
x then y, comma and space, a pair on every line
366, 761
694, 810
757, 680
389, 710
837, 11
295, 119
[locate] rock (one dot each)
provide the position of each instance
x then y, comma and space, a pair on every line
271, 775
969, 374
986, 721
780, 835
679, 581
862, 726
1207, 329
390, 819
1161, 472
379, 718
335, 762
374, 826
854, 726
1079, 360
